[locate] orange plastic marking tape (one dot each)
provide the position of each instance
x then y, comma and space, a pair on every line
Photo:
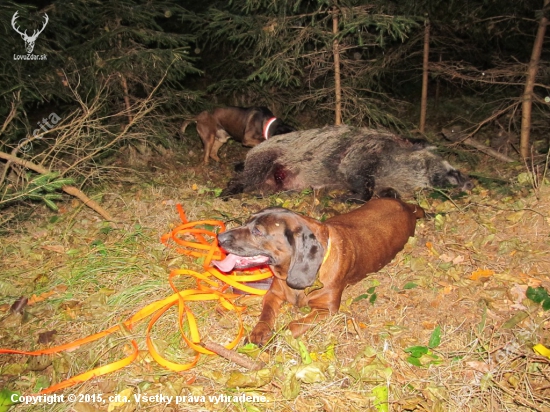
212, 285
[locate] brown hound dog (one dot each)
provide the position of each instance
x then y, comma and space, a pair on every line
313, 262
250, 126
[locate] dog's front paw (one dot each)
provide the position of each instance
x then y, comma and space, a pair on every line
261, 334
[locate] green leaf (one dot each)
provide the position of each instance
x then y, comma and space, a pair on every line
250, 349
251, 408
435, 338
410, 285
105, 230
6, 399
414, 361
360, 297
373, 298
371, 289
50, 204
304, 353
381, 398
536, 295
546, 304
417, 351
41, 383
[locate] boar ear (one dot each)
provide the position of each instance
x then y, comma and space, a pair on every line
306, 258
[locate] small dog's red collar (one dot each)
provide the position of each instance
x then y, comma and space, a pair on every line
266, 127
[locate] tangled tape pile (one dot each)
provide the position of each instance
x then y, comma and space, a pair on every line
212, 285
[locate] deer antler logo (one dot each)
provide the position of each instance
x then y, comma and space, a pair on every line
29, 40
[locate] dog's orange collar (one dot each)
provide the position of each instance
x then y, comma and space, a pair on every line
267, 125
318, 284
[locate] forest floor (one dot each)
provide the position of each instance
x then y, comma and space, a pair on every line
446, 326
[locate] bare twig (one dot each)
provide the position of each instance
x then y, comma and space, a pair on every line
233, 356
73, 191
460, 137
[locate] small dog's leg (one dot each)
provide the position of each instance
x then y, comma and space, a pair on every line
221, 138
208, 143
215, 147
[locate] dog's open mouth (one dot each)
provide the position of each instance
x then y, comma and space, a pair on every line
240, 262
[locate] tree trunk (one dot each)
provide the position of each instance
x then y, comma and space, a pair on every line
125, 89
527, 101
337, 85
438, 87
425, 63
126, 97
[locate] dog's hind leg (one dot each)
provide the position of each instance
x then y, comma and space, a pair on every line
221, 138
207, 131
208, 142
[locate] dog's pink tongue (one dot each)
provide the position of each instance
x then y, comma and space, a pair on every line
227, 264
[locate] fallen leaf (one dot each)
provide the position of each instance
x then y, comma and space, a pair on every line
291, 386
542, 350
19, 305
514, 320
54, 248
515, 217
381, 398
39, 363
11, 321
43, 296
249, 379
46, 337
480, 274
458, 260
6, 399
518, 295
13, 369
311, 373
479, 366
122, 398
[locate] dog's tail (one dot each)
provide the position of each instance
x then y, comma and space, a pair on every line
185, 124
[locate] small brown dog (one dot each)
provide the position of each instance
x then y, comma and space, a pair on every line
312, 261
250, 126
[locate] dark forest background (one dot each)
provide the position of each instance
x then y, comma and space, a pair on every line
123, 75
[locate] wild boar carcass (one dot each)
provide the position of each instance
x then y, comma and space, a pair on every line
363, 161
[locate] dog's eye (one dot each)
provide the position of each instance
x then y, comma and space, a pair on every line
256, 232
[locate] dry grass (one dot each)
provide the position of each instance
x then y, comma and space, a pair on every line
100, 276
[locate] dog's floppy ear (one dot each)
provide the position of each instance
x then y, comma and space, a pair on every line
306, 259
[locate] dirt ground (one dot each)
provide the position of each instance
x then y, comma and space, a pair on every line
446, 326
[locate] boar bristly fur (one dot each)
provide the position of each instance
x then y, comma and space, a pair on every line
360, 160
